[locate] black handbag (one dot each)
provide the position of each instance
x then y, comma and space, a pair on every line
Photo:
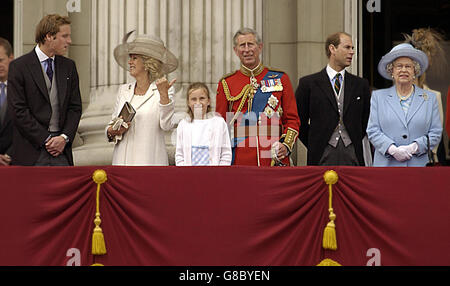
431, 161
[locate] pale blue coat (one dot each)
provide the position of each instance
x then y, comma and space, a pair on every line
389, 125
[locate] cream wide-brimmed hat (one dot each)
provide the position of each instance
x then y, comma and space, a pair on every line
402, 50
146, 45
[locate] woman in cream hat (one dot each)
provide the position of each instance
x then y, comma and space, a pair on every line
403, 118
140, 141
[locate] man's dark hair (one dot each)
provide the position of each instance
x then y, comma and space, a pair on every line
5, 44
335, 40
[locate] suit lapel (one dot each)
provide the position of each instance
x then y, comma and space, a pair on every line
348, 90
129, 92
325, 85
36, 72
417, 101
61, 79
394, 102
3, 115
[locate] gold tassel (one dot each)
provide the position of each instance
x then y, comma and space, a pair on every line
328, 262
329, 234
98, 240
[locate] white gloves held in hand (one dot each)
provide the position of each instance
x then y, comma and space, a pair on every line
404, 152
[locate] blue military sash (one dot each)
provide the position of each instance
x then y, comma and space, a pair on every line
260, 100
261, 97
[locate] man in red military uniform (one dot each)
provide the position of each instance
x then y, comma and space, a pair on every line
259, 105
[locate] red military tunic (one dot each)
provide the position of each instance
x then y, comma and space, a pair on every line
277, 109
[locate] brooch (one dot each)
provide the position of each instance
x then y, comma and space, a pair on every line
273, 101
268, 111
280, 111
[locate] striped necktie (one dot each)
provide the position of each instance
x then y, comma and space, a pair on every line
49, 70
337, 83
2, 93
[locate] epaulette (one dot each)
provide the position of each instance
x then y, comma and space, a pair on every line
275, 70
228, 75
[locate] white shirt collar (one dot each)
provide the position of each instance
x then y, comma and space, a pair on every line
332, 73
41, 55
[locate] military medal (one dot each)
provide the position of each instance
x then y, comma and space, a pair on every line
271, 85
280, 111
278, 85
273, 101
268, 111
263, 87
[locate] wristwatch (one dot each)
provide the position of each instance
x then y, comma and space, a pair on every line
65, 137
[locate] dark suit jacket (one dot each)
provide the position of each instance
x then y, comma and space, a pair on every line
319, 116
29, 101
6, 134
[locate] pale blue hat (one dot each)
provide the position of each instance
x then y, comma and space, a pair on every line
402, 50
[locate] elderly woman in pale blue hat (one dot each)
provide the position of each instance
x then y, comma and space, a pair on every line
404, 120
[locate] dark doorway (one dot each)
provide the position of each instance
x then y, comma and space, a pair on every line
382, 30
7, 20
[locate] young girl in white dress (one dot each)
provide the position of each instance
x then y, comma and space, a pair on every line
202, 137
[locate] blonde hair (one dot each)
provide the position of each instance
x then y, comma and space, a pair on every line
152, 66
191, 88
50, 24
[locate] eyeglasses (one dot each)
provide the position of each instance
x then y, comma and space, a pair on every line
401, 66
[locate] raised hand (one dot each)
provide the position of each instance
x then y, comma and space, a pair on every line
163, 86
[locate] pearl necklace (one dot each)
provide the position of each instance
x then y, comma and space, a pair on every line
405, 97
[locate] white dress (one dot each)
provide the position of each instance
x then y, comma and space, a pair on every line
214, 133
143, 144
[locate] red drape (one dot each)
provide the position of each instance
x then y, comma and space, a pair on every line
224, 215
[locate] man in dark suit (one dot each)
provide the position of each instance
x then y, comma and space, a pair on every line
333, 106
6, 56
44, 94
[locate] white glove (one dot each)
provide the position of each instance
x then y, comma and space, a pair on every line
274, 151
116, 124
411, 148
400, 154
279, 151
